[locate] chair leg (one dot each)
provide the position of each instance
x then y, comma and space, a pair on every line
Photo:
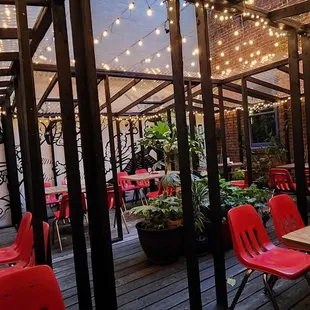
241, 288
58, 234
115, 217
86, 218
124, 204
307, 278
53, 232
271, 281
124, 220
270, 293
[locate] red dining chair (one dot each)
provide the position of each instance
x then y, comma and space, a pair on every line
255, 251
157, 193
286, 218
64, 181
25, 224
63, 214
143, 184
127, 186
281, 181
30, 289
50, 199
112, 205
241, 183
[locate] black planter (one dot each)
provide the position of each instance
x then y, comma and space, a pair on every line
161, 246
202, 245
227, 241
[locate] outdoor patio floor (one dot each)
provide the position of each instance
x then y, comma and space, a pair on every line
144, 286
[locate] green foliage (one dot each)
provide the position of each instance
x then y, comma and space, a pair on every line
237, 174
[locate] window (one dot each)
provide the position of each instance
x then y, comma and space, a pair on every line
263, 126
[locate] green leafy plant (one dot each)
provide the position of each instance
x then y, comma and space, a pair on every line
237, 174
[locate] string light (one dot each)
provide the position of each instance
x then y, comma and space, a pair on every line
157, 31
117, 21
131, 5
149, 12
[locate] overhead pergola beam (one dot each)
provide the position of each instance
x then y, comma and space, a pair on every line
5, 83
56, 100
121, 92
9, 56
10, 33
28, 2
47, 91
286, 70
268, 85
6, 72
144, 97
288, 11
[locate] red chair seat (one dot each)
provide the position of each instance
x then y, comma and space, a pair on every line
57, 214
52, 201
240, 184
281, 262
130, 188
153, 194
8, 256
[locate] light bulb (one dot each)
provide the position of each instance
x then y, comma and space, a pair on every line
193, 64
236, 33
226, 62
251, 42
217, 67
237, 48
276, 44
149, 12
169, 49
167, 66
258, 53
116, 59
105, 33
131, 5
240, 59
140, 43
222, 54
96, 41
128, 52
220, 42
49, 48
158, 55
118, 21
157, 31
184, 40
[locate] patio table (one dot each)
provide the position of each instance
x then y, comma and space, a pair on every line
291, 166
60, 189
229, 165
300, 237
147, 176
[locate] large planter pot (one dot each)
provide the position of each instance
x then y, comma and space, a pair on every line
227, 240
202, 245
161, 246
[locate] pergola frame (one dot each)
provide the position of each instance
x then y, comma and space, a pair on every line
88, 78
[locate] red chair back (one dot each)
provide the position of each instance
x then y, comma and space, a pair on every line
285, 215
64, 181
30, 289
122, 183
24, 226
51, 197
281, 180
248, 234
111, 198
143, 183
64, 211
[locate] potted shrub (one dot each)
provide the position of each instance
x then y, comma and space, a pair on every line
161, 233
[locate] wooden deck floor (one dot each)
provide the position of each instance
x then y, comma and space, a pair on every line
144, 286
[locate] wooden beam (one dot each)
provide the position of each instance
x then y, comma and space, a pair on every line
297, 126
286, 69
3, 91
8, 56
192, 265
11, 33
212, 162
28, 109
144, 97
121, 92
6, 72
5, 83
57, 100
288, 11
268, 85
28, 2
47, 91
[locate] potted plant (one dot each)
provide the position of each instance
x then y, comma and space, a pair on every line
161, 233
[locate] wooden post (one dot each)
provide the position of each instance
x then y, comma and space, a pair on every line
119, 144
113, 158
10, 157
132, 140
305, 41
53, 123
183, 146
142, 146
212, 162
246, 127
71, 154
223, 131
170, 124
298, 143
192, 123
287, 132
99, 222
30, 126
240, 142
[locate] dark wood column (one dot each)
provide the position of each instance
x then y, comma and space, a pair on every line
212, 162
223, 131
246, 128
142, 146
184, 158
170, 124
113, 158
119, 144
11, 164
298, 143
30, 126
287, 132
95, 180
305, 41
71, 154
132, 141
192, 122
240, 142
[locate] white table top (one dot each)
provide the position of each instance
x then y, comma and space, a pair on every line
147, 176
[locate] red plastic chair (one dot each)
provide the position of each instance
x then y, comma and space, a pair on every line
50, 199
281, 181
126, 186
64, 181
241, 183
25, 224
112, 205
157, 193
64, 214
255, 251
31, 289
286, 218
144, 183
